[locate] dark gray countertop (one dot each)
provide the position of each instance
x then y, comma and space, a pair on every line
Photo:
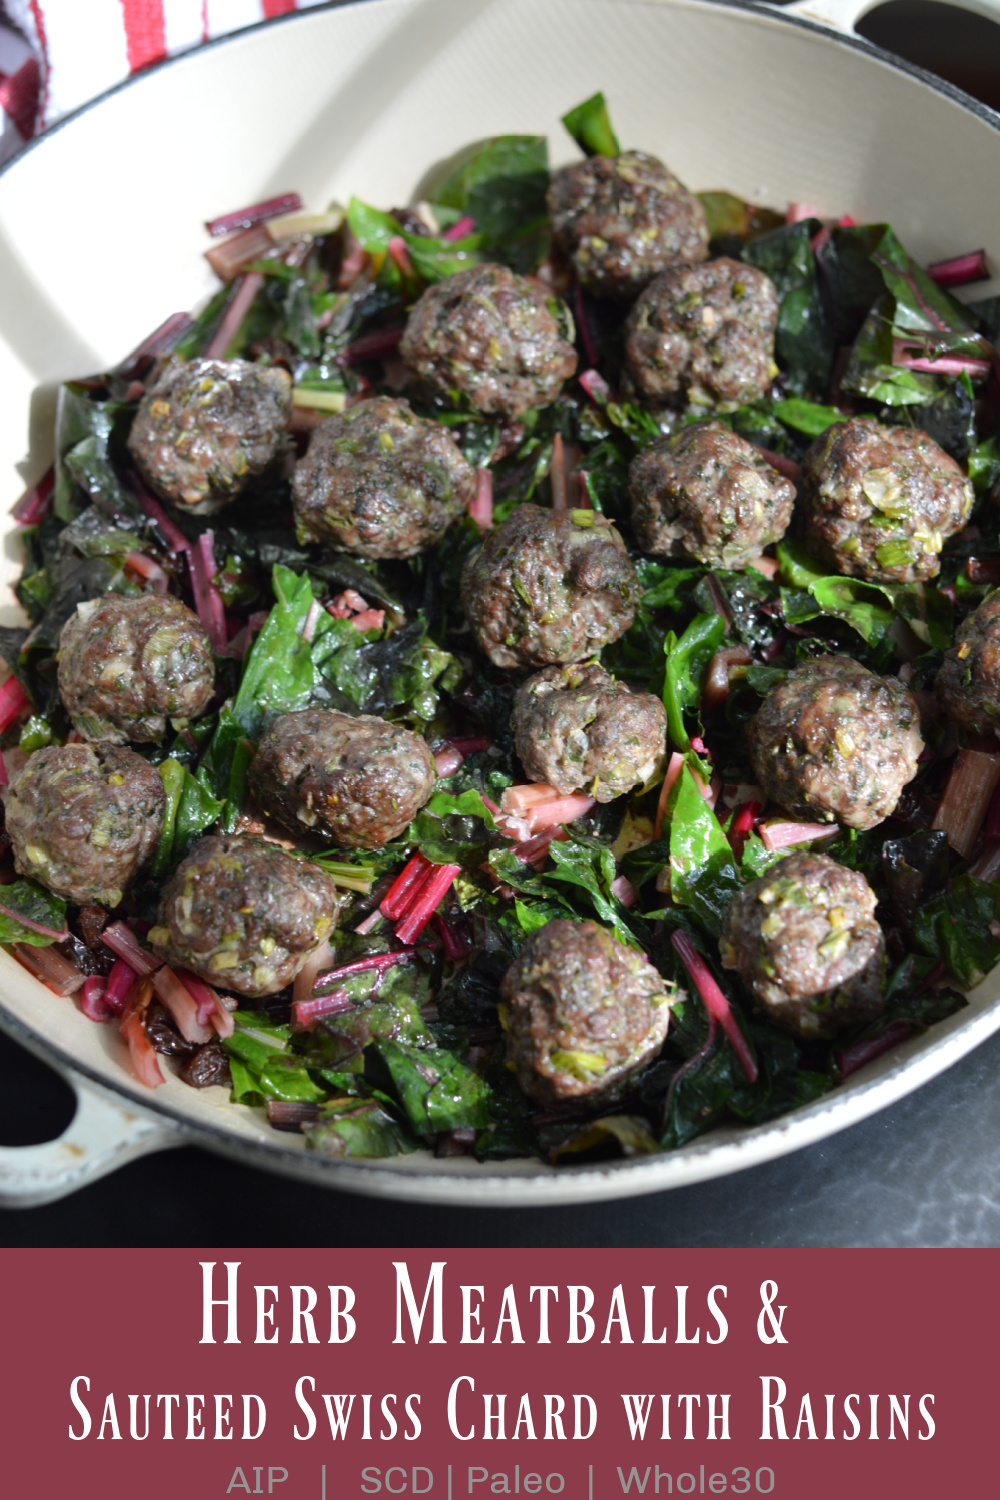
924, 1173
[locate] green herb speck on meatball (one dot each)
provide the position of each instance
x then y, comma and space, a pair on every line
205, 429
128, 664
805, 942
583, 1014
84, 819
380, 481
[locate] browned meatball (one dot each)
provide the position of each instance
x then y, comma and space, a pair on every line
879, 502
358, 781
380, 481
84, 819
834, 740
576, 728
127, 665
492, 337
968, 684
243, 914
703, 334
805, 942
622, 220
549, 586
205, 429
582, 1013
707, 493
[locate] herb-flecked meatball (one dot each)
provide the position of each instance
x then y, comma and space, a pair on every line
84, 819
358, 781
128, 664
205, 429
805, 942
834, 740
576, 728
968, 684
705, 492
880, 502
624, 219
583, 1014
549, 586
703, 334
243, 914
492, 337
380, 481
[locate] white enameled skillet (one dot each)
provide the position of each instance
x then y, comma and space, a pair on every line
101, 238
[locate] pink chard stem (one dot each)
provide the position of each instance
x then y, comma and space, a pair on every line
961, 270
256, 213
714, 1000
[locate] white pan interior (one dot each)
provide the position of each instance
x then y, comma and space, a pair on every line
101, 237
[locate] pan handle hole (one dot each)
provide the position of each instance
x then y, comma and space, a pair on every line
960, 47
36, 1105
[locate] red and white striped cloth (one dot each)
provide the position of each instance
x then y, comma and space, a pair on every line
57, 54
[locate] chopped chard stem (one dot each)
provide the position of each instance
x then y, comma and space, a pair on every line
596, 386
55, 972
208, 600
460, 230
975, 776
330, 401
372, 346
14, 702
428, 899
447, 760
307, 1014
172, 535
92, 999
742, 825
120, 981
160, 341
181, 1005
232, 318
851, 1058
481, 506
586, 337
144, 1059
400, 893
36, 502
785, 835
256, 213
714, 1000
557, 475
399, 253
229, 259
960, 270
123, 944
148, 570
292, 1114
